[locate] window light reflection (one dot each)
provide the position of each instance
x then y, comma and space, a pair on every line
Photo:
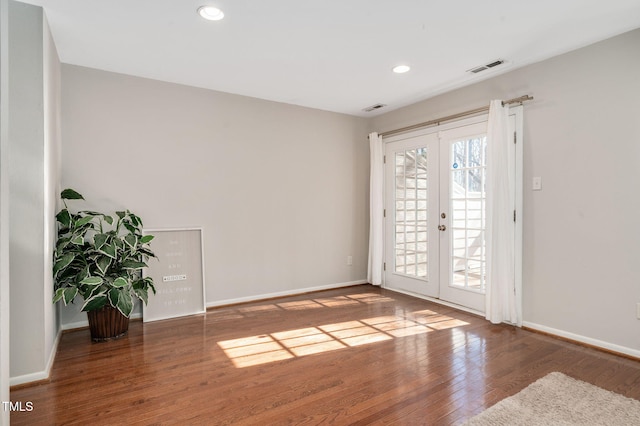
299, 305
262, 349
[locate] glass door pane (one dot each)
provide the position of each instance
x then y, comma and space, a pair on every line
463, 174
467, 206
411, 212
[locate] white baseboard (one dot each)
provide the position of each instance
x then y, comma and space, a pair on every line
583, 339
538, 327
438, 301
40, 375
282, 293
85, 323
54, 351
27, 378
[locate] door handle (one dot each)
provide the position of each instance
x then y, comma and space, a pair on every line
442, 227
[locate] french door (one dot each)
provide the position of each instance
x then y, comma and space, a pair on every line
435, 216
463, 204
411, 215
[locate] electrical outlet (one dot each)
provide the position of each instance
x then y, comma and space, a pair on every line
349, 260
537, 183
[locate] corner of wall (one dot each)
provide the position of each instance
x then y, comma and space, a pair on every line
33, 178
52, 141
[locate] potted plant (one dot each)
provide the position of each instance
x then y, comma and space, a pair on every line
101, 259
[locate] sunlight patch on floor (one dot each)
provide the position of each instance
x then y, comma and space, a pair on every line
300, 305
297, 305
266, 348
259, 308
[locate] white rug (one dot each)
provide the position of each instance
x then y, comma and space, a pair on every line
557, 399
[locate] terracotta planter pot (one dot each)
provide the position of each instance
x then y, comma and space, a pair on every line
107, 323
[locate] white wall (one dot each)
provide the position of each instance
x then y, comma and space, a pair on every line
4, 211
581, 232
33, 176
281, 191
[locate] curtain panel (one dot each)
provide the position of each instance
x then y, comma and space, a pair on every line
376, 206
500, 295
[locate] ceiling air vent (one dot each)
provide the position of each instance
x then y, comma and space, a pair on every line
481, 68
374, 107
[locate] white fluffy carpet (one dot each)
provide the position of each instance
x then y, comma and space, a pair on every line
560, 400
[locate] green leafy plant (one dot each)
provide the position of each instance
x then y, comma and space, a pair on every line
100, 259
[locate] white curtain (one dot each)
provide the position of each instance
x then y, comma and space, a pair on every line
500, 228
376, 205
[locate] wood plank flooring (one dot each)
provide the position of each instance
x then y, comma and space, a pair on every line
354, 356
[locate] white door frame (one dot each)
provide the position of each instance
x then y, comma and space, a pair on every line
517, 112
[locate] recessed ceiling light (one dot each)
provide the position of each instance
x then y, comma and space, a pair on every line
401, 69
210, 13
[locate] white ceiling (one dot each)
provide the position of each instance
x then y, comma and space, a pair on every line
334, 55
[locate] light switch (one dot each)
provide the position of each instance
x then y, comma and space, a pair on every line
537, 183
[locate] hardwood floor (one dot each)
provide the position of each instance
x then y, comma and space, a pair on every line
359, 355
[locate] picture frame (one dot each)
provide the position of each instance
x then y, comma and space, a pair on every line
178, 274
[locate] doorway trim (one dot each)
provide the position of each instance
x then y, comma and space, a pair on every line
517, 112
